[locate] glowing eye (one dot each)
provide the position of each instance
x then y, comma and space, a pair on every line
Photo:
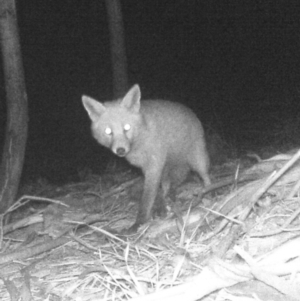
108, 131
127, 127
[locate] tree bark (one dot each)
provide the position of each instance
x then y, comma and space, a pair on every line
117, 47
17, 110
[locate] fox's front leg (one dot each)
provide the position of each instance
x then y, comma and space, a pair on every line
151, 186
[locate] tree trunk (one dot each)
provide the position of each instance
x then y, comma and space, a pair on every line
117, 47
16, 99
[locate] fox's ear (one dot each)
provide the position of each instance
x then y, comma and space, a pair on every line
132, 99
94, 108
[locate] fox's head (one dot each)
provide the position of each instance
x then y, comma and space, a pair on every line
115, 124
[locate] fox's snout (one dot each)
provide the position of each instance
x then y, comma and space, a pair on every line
121, 152
120, 146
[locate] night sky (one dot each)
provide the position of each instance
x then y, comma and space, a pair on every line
235, 63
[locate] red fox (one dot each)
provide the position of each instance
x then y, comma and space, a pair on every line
164, 139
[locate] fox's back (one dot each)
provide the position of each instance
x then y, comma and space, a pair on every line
173, 127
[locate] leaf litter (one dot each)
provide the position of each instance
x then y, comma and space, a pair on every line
66, 244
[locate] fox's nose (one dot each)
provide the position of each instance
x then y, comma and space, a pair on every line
121, 152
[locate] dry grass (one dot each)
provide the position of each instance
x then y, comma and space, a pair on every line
71, 249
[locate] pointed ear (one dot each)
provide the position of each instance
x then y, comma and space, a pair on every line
94, 108
132, 99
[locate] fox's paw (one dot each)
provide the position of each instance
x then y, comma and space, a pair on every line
131, 230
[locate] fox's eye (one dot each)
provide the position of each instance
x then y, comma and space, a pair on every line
108, 131
127, 127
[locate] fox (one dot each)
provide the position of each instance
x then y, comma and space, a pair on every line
164, 139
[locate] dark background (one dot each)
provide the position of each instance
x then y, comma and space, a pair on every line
235, 63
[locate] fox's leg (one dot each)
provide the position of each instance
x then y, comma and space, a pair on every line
199, 162
164, 191
203, 173
151, 186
